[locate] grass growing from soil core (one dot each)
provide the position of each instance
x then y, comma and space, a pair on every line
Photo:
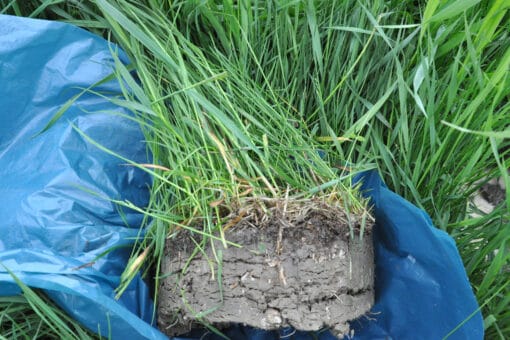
261, 98
219, 133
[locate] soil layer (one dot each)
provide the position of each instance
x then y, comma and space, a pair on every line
298, 266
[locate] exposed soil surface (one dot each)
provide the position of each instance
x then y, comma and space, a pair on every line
490, 195
298, 266
494, 191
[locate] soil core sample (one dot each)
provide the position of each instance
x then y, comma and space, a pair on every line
298, 265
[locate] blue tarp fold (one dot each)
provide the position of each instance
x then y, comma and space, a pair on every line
56, 217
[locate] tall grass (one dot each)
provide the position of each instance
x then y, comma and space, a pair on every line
220, 131
229, 92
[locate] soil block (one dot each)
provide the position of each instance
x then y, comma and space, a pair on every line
298, 266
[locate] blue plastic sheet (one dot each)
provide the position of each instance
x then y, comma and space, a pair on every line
52, 228
51, 223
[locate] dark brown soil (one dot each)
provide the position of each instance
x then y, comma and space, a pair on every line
298, 266
494, 193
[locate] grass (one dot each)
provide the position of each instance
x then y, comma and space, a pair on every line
229, 94
34, 316
217, 133
20, 319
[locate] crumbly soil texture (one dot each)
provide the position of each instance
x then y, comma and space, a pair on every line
298, 265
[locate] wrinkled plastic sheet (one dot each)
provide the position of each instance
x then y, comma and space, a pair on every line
56, 218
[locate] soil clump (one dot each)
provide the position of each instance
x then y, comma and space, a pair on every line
299, 265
